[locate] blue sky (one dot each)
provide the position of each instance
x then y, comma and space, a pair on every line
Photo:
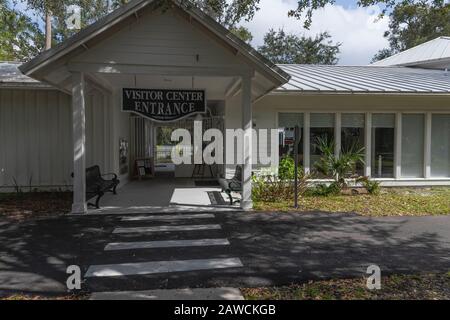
358, 29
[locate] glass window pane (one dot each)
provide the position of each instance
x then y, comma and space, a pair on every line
440, 145
383, 137
352, 135
412, 145
322, 126
286, 125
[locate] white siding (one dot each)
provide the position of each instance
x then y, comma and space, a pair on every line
36, 137
161, 40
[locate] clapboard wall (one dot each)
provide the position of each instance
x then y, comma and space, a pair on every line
36, 146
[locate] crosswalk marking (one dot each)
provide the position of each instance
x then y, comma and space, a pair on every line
170, 217
168, 228
165, 244
143, 268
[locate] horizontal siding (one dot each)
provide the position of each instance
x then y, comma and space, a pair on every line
164, 40
36, 137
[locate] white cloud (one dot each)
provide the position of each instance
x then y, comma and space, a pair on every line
358, 29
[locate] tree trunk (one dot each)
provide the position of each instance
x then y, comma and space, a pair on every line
48, 30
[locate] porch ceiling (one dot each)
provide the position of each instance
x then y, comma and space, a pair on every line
217, 88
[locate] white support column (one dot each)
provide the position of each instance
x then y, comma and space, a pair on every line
337, 134
398, 146
79, 143
427, 151
306, 142
246, 201
368, 142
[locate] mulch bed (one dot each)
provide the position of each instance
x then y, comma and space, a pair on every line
394, 287
22, 206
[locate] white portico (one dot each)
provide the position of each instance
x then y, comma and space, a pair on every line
142, 45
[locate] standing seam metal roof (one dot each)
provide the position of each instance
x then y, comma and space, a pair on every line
365, 79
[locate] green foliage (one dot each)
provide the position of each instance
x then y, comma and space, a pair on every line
323, 190
415, 22
20, 38
242, 33
280, 47
286, 169
373, 187
341, 167
273, 188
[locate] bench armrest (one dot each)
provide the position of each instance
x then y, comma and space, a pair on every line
110, 174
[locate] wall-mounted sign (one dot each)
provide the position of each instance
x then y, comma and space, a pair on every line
163, 104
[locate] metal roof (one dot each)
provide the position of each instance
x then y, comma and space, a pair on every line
364, 79
436, 52
10, 76
315, 78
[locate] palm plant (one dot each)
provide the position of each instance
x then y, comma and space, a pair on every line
338, 167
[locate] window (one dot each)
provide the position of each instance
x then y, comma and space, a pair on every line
322, 127
383, 137
413, 131
440, 145
352, 135
286, 125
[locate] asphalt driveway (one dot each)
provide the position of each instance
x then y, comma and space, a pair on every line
274, 249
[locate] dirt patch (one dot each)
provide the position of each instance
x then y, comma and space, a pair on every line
22, 206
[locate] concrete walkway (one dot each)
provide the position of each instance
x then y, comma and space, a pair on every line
161, 195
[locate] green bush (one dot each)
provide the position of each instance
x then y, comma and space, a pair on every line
286, 169
323, 190
372, 186
271, 188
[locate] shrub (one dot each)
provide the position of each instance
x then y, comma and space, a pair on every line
373, 187
323, 190
286, 169
272, 188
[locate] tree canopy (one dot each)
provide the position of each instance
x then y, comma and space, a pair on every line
280, 47
414, 23
20, 38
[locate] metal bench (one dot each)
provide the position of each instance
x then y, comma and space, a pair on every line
96, 185
232, 185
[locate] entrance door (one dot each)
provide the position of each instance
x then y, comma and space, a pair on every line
163, 149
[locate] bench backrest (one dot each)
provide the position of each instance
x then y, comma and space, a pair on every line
238, 173
93, 175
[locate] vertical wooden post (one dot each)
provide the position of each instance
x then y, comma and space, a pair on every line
79, 143
247, 126
427, 145
368, 150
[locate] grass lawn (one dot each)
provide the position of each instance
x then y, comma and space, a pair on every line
390, 202
394, 287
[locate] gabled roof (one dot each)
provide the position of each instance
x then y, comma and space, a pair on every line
114, 18
434, 54
365, 79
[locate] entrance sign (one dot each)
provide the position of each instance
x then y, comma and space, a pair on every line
163, 104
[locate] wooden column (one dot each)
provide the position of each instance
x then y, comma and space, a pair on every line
247, 126
79, 143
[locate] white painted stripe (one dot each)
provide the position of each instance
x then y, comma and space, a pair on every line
172, 294
170, 217
165, 244
142, 268
168, 228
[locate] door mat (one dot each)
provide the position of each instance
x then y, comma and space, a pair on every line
216, 198
206, 183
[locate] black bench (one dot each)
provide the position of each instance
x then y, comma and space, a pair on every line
96, 185
232, 185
